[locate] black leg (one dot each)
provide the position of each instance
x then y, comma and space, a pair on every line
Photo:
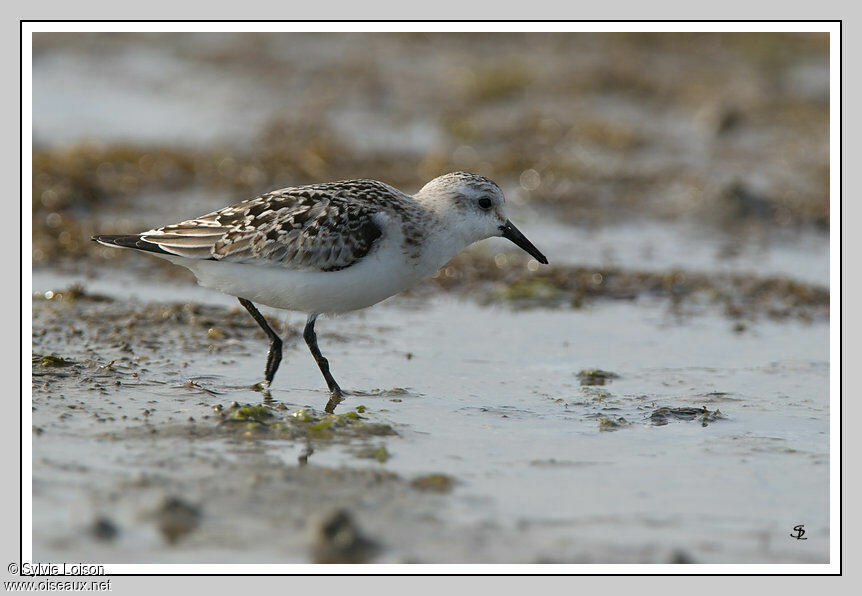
323, 363
273, 357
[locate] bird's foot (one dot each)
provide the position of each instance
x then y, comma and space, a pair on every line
336, 396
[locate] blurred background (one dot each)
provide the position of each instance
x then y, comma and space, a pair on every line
659, 393
638, 150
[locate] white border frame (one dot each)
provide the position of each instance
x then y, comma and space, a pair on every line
833, 28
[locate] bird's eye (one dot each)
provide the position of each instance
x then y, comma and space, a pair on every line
485, 203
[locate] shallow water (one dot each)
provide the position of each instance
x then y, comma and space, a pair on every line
801, 255
491, 397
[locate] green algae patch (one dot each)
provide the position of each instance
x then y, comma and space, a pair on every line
664, 415
596, 394
335, 421
612, 424
435, 483
596, 376
304, 424
251, 414
394, 392
246, 418
381, 454
302, 416
334, 426
518, 281
51, 361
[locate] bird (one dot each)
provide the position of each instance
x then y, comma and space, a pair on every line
330, 248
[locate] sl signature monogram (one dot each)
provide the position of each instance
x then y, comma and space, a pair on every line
800, 532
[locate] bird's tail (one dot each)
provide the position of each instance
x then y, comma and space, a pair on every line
129, 241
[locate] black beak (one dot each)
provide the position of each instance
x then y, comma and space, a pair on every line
512, 233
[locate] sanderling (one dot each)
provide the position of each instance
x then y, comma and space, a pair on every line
330, 248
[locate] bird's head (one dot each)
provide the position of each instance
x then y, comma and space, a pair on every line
474, 208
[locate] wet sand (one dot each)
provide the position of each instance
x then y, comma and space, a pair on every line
666, 458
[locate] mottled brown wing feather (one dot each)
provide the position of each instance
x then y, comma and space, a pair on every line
322, 228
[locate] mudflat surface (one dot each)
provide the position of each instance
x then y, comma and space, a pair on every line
659, 393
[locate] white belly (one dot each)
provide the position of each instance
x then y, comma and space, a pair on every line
369, 281
382, 273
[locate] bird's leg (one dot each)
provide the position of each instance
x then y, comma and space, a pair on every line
273, 356
334, 400
311, 339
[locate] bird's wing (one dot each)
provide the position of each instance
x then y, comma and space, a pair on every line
319, 228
